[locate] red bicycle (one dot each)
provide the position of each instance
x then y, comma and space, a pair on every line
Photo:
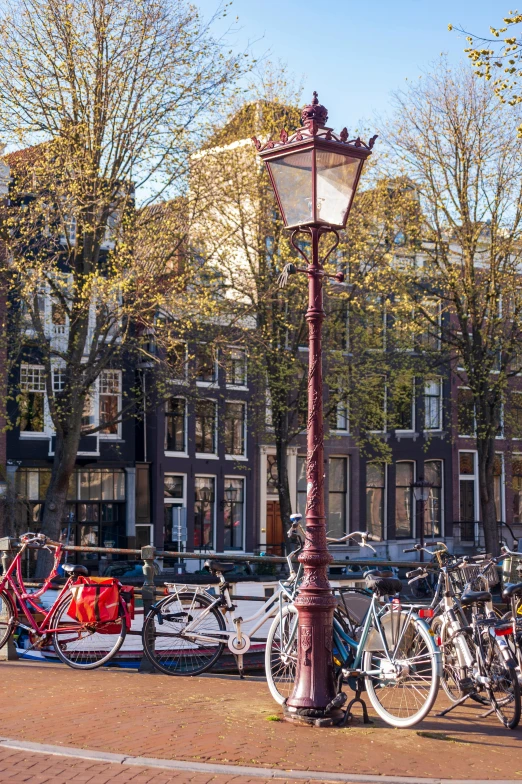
79, 644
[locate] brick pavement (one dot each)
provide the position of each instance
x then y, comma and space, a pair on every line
225, 720
21, 766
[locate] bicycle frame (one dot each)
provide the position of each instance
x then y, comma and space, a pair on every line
13, 580
286, 589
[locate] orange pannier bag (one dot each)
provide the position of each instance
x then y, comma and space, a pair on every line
95, 599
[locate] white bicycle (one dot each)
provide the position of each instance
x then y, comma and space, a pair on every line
186, 632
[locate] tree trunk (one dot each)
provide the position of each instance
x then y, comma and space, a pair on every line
486, 455
56, 497
283, 486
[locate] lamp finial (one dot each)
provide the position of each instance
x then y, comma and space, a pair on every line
314, 111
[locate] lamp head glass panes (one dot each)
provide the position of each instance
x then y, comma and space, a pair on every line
314, 172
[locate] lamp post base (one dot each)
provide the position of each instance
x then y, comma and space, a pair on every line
302, 716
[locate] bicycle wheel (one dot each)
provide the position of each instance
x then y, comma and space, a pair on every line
281, 654
163, 634
402, 682
7, 617
504, 691
450, 663
86, 646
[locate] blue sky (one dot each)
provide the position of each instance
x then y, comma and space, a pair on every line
356, 53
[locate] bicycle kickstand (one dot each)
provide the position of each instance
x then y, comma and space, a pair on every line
452, 707
348, 712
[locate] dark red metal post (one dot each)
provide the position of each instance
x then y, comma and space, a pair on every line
314, 685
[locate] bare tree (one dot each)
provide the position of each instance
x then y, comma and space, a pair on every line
459, 146
111, 95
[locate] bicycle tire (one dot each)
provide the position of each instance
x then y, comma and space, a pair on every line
450, 662
422, 672
280, 669
94, 646
506, 680
191, 658
8, 616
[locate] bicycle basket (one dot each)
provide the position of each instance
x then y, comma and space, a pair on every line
510, 569
469, 573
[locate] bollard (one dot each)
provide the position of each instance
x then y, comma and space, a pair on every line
147, 553
8, 651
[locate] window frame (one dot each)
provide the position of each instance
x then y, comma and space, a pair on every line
439, 460
212, 547
44, 433
233, 384
232, 455
384, 487
470, 478
345, 492
440, 397
241, 479
215, 380
170, 452
400, 430
214, 454
413, 516
118, 395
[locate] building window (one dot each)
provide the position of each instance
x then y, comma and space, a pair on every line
206, 366
467, 495
177, 358
110, 402
31, 402
88, 413
206, 420
58, 318
142, 495
175, 424
234, 428
236, 367
516, 415
466, 412
375, 486
301, 486
404, 477
433, 508
172, 486
430, 339
337, 496
376, 417
58, 379
517, 489
498, 482
272, 481
433, 405
338, 419
204, 511
234, 512
375, 321
405, 403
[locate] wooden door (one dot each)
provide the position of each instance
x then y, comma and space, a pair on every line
275, 540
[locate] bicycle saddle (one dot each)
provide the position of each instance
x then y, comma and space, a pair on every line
75, 569
217, 567
383, 586
512, 590
470, 597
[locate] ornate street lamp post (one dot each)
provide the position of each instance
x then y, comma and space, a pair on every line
314, 174
421, 493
